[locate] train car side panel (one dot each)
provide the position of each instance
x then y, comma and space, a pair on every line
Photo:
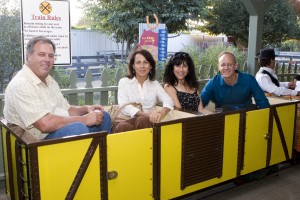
255, 143
5, 159
171, 137
130, 156
230, 146
59, 163
14, 166
287, 120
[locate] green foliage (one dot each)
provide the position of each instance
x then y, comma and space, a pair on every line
231, 18
210, 56
121, 18
290, 45
10, 43
63, 77
112, 71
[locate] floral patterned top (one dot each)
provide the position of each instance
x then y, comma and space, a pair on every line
188, 101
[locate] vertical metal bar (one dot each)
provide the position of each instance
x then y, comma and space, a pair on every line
34, 173
9, 166
103, 168
281, 134
241, 143
269, 136
83, 167
156, 161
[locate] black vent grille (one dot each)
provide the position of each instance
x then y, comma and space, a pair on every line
202, 149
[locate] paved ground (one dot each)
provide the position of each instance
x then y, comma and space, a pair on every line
283, 185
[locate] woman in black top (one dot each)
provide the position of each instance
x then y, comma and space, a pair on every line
181, 82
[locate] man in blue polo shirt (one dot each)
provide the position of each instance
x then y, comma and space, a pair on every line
231, 89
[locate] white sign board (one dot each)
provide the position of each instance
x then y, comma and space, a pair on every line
50, 19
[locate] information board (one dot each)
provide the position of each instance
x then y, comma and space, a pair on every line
50, 19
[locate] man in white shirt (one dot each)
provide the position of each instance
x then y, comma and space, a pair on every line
33, 99
268, 80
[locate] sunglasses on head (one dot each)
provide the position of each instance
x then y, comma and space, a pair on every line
180, 55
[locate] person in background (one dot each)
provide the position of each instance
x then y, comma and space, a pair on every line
141, 87
33, 99
181, 82
268, 80
231, 89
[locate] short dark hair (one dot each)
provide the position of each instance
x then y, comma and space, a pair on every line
297, 77
264, 62
177, 59
149, 58
32, 42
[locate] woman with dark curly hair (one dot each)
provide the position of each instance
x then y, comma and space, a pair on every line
181, 82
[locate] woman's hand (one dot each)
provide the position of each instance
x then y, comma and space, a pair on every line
155, 116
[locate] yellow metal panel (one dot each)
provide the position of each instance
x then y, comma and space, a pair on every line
255, 143
171, 137
90, 185
130, 154
5, 161
13, 160
14, 167
287, 119
231, 139
171, 140
58, 165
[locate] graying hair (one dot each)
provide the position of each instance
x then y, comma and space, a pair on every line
34, 40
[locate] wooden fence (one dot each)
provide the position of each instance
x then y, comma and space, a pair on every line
107, 94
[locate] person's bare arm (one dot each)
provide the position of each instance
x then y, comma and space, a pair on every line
82, 110
51, 122
157, 116
170, 90
202, 109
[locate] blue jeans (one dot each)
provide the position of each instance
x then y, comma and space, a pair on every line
78, 128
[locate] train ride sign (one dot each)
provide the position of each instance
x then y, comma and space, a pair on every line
50, 19
154, 38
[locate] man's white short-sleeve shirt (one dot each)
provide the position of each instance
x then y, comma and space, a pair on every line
28, 99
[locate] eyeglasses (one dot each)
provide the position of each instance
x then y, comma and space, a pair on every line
227, 64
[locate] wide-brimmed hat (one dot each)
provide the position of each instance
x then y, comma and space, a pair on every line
266, 54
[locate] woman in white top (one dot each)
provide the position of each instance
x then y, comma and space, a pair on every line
141, 87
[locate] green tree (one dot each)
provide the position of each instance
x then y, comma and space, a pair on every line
120, 18
10, 42
210, 56
231, 18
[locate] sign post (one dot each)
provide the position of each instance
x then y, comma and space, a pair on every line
50, 19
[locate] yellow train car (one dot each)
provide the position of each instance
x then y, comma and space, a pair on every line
182, 155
